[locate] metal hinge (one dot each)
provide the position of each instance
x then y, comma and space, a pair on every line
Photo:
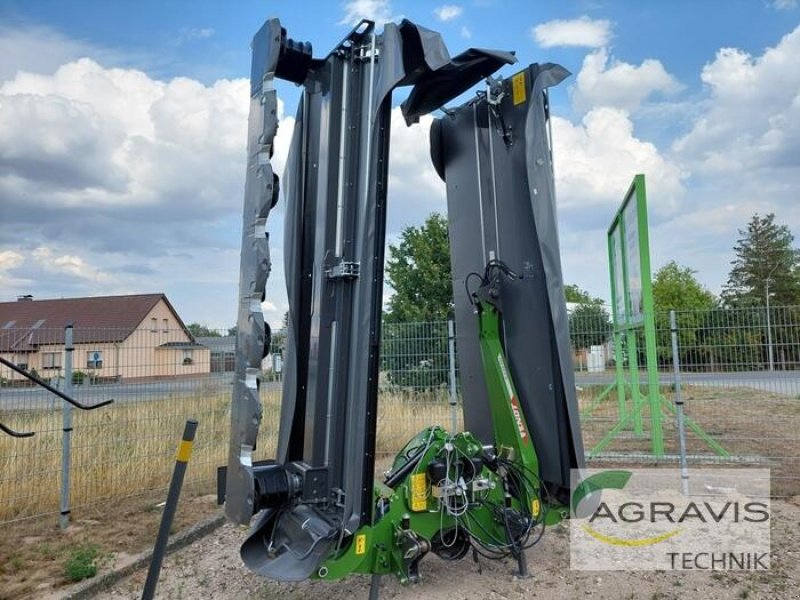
338, 497
344, 269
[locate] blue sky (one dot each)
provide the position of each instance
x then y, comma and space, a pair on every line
122, 132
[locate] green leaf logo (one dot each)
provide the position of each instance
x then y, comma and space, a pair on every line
607, 480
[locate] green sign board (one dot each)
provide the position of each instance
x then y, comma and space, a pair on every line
632, 307
634, 326
629, 257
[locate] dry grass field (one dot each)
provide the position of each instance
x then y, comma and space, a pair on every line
123, 458
757, 428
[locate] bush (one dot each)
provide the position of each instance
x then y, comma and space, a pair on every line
82, 562
78, 377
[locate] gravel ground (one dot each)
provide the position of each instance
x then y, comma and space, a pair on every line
211, 568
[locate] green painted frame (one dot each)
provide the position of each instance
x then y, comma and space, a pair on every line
633, 318
626, 327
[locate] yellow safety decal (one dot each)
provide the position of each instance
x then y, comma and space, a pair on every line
535, 507
419, 492
518, 92
361, 544
184, 451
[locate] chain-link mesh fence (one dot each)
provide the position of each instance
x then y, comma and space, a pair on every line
740, 376
740, 381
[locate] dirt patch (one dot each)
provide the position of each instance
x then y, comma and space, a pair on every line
756, 427
34, 553
211, 568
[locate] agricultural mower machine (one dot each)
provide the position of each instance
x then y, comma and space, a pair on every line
490, 490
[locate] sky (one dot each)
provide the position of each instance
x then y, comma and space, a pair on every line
123, 133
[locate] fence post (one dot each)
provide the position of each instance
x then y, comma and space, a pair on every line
66, 439
676, 365
173, 495
451, 339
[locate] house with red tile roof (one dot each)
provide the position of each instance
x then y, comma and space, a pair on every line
115, 337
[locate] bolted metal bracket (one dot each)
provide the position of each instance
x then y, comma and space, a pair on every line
344, 269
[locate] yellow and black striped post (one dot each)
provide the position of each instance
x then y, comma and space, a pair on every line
181, 461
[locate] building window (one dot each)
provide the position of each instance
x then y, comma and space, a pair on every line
188, 357
22, 361
51, 360
154, 325
94, 359
165, 323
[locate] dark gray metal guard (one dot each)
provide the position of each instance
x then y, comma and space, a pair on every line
320, 489
494, 154
51, 389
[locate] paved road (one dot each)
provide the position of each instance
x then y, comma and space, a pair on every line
779, 382
28, 398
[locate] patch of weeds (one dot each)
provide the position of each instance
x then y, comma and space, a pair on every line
16, 563
47, 551
717, 575
82, 562
744, 594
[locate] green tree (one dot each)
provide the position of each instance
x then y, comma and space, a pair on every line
418, 270
198, 330
675, 287
766, 261
589, 325
415, 350
577, 295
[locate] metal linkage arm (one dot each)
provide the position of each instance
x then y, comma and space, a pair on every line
16, 434
51, 389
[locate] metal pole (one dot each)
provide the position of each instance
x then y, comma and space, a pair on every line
679, 404
66, 439
451, 338
769, 331
181, 460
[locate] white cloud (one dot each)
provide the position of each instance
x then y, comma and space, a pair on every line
448, 12
740, 156
784, 4
92, 138
188, 34
379, 11
40, 49
751, 120
582, 32
127, 182
619, 84
415, 190
66, 265
596, 160
466, 33
10, 259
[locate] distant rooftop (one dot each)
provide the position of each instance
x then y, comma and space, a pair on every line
28, 323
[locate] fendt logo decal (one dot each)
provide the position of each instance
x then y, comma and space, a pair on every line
523, 430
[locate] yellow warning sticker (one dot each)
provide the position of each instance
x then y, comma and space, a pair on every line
184, 451
518, 92
419, 492
361, 543
535, 507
